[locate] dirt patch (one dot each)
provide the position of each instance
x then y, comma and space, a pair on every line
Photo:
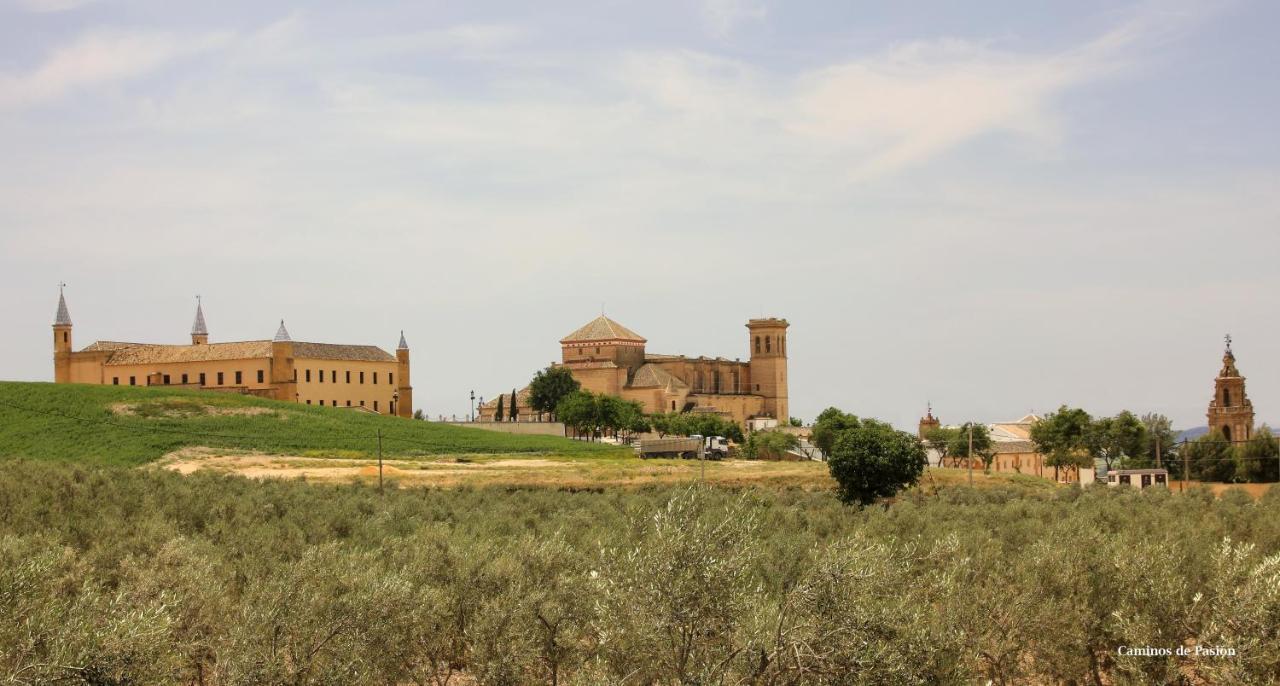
455, 471
181, 409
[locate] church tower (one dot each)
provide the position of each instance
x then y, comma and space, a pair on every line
1230, 411
62, 341
404, 402
199, 332
928, 423
769, 365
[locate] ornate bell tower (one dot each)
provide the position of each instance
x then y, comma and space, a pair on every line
928, 423
1230, 411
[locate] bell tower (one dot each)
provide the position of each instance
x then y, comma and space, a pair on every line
1230, 411
928, 423
62, 340
199, 332
768, 341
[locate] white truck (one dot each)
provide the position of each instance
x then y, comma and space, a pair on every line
712, 447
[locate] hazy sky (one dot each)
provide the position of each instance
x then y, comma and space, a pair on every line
996, 206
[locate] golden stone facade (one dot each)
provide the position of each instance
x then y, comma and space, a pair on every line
607, 357
354, 376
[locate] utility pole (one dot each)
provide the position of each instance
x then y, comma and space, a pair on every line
970, 453
1184, 465
379, 461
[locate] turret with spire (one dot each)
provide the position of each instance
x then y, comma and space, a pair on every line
284, 375
62, 339
404, 389
199, 332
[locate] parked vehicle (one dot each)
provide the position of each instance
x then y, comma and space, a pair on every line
712, 447
669, 447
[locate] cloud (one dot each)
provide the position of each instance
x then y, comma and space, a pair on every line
100, 57
43, 6
723, 16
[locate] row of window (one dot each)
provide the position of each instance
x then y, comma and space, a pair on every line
335, 404
186, 379
333, 376
239, 378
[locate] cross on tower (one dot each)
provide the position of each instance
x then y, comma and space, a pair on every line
1228, 338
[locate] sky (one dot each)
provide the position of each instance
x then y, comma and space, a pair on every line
995, 206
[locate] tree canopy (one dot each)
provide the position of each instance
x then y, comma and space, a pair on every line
549, 387
872, 460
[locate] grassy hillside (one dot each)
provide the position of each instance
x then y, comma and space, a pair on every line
133, 425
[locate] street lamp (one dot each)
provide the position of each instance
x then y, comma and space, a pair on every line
395, 402
472, 417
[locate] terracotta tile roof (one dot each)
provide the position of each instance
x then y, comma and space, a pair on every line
336, 351
1013, 446
653, 376
602, 329
162, 354
98, 346
522, 397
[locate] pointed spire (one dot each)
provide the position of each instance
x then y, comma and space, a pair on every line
64, 317
282, 334
403, 345
198, 328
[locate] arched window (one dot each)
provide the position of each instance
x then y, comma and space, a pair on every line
767, 346
757, 344
782, 344
736, 388
700, 382
715, 380
1226, 397
1226, 432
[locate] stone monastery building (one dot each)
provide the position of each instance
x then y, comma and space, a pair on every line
607, 357
328, 374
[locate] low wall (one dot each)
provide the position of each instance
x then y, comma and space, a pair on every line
522, 428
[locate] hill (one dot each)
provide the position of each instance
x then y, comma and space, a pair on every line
134, 425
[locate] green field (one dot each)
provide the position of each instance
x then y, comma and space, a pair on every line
134, 425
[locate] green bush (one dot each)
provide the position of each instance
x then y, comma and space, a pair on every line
111, 576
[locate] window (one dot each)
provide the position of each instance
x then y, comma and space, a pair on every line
1226, 397
335, 403
758, 389
260, 375
673, 406
295, 376
321, 376
391, 379
133, 381
166, 379
757, 344
201, 378
184, 379
333, 376
375, 378
66, 337
767, 347
361, 377
308, 376
308, 402
375, 403
115, 381
361, 403
348, 402
348, 377
239, 378
219, 378
321, 403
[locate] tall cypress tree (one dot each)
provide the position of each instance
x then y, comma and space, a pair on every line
514, 412
497, 416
